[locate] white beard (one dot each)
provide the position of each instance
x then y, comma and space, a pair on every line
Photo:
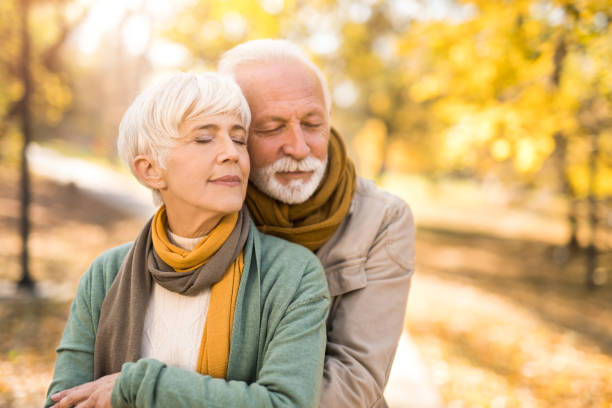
297, 191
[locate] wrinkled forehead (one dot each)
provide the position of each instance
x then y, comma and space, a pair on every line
278, 81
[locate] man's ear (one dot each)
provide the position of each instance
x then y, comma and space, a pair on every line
149, 173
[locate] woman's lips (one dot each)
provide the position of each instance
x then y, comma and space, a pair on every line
231, 181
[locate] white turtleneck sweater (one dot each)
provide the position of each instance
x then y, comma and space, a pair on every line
173, 322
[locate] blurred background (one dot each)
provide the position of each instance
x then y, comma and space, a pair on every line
492, 119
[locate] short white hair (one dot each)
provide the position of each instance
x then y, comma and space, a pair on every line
270, 50
150, 126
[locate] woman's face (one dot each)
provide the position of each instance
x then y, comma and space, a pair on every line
207, 171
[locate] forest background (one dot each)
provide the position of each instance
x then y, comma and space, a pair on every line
493, 119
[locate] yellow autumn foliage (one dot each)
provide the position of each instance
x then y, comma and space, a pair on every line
368, 143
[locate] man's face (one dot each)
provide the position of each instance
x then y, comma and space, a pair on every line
289, 131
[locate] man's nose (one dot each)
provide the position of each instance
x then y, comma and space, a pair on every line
295, 142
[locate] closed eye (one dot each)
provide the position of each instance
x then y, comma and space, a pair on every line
270, 131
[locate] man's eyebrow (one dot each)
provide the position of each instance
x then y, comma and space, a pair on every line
273, 119
316, 112
312, 113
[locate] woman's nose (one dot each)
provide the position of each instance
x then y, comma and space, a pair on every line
228, 150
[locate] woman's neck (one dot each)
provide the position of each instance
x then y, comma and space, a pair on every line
191, 224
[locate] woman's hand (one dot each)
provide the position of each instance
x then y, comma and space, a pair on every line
95, 394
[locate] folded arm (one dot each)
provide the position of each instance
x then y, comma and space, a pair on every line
290, 374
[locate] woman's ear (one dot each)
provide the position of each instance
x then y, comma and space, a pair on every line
149, 173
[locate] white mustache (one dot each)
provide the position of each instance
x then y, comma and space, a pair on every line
289, 164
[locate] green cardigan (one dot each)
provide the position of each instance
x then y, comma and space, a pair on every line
277, 348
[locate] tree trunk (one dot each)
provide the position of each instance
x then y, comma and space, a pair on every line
591, 255
566, 189
26, 281
561, 143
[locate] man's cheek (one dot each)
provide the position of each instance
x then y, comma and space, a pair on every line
264, 154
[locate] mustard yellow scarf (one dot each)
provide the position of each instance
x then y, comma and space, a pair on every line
313, 222
216, 337
182, 260
217, 263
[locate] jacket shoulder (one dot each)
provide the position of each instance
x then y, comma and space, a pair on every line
383, 210
368, 197
391, 217
377, 220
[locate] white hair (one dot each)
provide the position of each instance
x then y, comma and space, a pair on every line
150, 126
268, 50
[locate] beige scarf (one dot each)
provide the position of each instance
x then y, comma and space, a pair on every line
313, 222
120, 330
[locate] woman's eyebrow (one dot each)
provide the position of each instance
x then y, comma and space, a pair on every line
210, 126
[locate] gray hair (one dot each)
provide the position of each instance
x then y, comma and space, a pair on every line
267, 50
150, 126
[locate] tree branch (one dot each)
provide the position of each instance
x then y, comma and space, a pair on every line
50, 55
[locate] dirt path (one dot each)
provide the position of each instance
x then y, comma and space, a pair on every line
503, 323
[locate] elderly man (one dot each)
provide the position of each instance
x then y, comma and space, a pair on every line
304, 189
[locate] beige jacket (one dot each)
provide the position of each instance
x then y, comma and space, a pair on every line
368, 262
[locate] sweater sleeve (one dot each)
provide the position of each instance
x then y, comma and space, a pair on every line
74, 364
290, 374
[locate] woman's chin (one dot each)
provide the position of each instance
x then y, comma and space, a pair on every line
208, 204
229, 207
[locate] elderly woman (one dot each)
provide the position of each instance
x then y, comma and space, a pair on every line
202, 309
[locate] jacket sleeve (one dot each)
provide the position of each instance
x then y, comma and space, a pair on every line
289, 376
365, 324
74, 364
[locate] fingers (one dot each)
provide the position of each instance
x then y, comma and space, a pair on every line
92, 394
72, 396
62, 394
59, 395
